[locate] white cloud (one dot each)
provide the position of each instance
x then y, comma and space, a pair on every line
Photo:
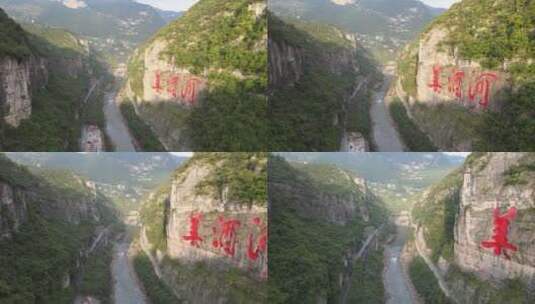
440, 3
183, 154
463, 154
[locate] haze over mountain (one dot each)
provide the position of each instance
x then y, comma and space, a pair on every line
382, 26
124, 177
114, 27
395, 177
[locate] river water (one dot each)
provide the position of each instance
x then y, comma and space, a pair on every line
384, 132
115, 125
126, 286
394, 280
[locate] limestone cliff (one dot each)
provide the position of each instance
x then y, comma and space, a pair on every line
320, 220
462, 77
177, 70
52, 222
464, 248
21, 72
13, 210
285, 63
42, 69
505, 181
319, 80
211, 224
445, 77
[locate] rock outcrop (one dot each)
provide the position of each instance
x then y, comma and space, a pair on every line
285, 63
163, 81
482, 191
51, 219
172, 76
202, 227
18, 77
13, 210
444, 77
209, 226
484, 243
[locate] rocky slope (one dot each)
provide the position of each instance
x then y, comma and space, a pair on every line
320, 216
305, 58
457, 218
459, 84
53, 223
44, 75
21, 72
200, 66
208, 225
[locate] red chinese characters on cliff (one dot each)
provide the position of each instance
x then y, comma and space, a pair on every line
175, 85
479, 87
435, 84
257, 246
499, 242
225, 235
194, 238
482, 88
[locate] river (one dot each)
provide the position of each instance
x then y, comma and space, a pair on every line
127, 288
396, 287
115, 125
385, 135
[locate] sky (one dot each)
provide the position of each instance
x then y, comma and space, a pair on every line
183, 154
170, 5
438, 3
463, 154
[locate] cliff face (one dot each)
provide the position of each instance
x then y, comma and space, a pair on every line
285, 63
215, 229
163, 81
476, 227
214, 47
465, 78
51, 219
13, 210
209, 225
482, 191
445, 77
322, 216
304, 59
18, 77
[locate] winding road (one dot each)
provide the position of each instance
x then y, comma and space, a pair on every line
115, 125
385, 135
394, 279
127, 289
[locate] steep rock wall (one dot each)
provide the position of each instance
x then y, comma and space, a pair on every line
285, 63
222, 232
162, 81
13, 210
444, 77
482, 191
197, 234
17, 80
